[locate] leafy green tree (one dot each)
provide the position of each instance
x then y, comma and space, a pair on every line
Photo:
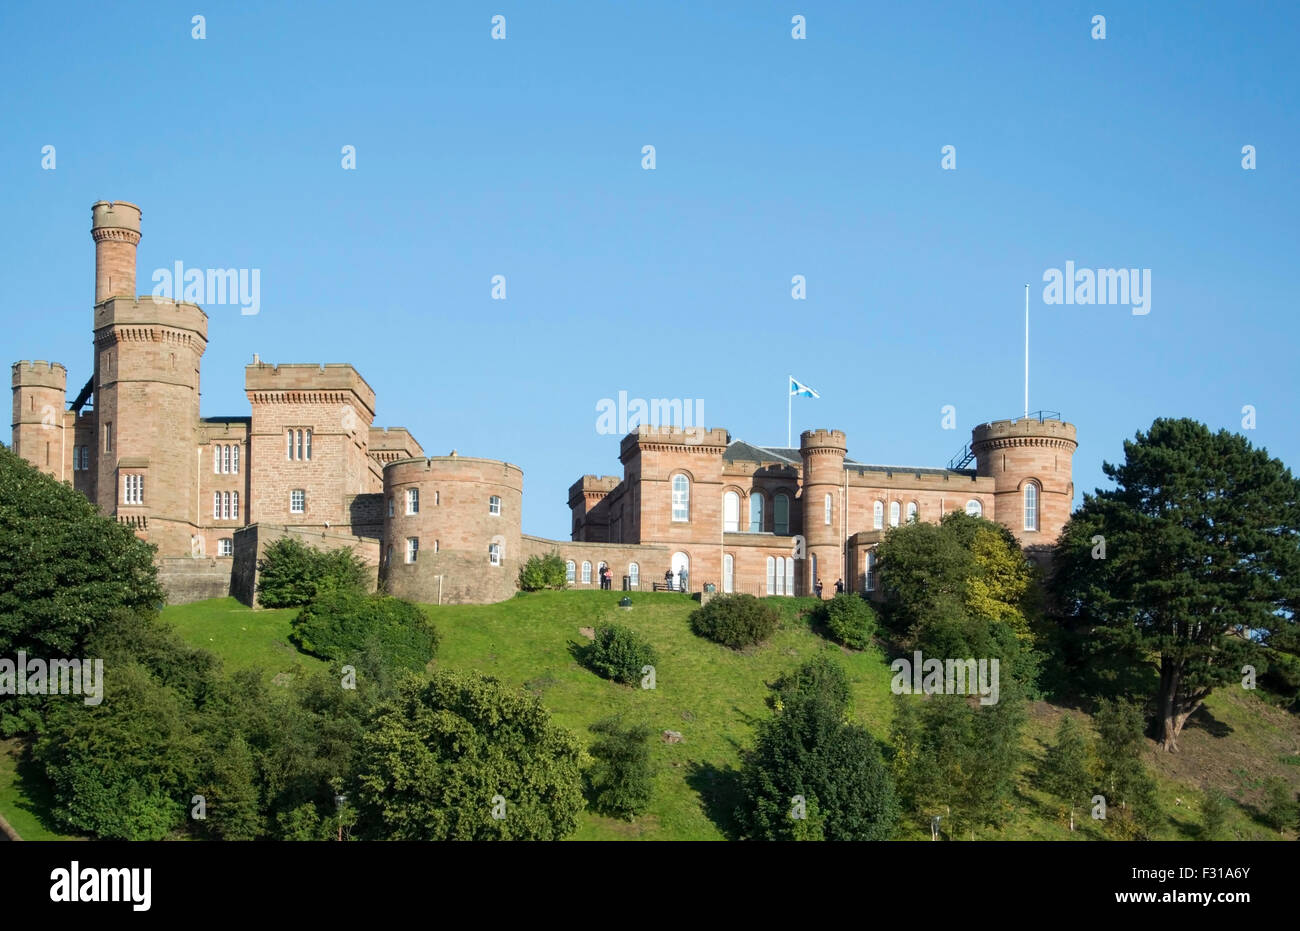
849, 619
123, 769
543, 572
1201, 567
735, 621
619, 653
621, 777
1132, 810
442, 758
343, 623
1065, 770
65, 571
821, 676
807, 749
290, 573
233, 811
1280, 805
1214, 814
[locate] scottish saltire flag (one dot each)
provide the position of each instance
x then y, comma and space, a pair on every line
798, 390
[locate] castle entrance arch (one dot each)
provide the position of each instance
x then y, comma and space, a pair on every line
680, 561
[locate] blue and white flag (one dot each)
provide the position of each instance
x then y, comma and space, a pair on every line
798, 390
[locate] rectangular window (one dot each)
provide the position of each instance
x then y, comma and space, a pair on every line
771, 576
226, 547
234, 505
390, 505
494, 553
412, 548
133, 489
828, 510
297, 501
225, 505
108, 437
494, 506
216, 505
289, 455
869, 577
225, 460
309, 444
216, 460
412, 501
234, 459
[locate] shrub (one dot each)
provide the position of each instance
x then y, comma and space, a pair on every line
822, 677
346, 623
621, 776
619, 653
542, 572
736, 621
290, 572
849, 619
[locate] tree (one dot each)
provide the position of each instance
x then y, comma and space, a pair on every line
735, 621
812, 775
621, 777
290, 573
1201, 567
1064, 772
371, 630
543, 572
1214, 814
619, 653
232, 796
1129, 790
463, 757
65, 571
850, 620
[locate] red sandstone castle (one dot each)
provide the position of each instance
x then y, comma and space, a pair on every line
211, 492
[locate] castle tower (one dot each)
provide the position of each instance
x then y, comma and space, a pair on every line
823, 454
115, 227
146, 383
1030, 461
40, 394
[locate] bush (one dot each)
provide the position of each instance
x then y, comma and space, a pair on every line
849, 619
376, 630
820, 677
290, 573
736, 621
619, 653
621, 776
543, 572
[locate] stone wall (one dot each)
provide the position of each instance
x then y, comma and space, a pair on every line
186, 580
251, 543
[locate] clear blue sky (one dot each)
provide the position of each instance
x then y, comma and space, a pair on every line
775, 158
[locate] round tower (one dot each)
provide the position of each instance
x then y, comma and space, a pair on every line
823, 454
40, 392
1030, 462
147, 357
115, 227
463, 515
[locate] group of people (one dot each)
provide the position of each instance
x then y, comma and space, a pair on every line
839, 587
682, 575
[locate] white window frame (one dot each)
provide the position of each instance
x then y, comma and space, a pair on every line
756, 519
974, 508
301, 494
771, 575
412, 549
216, 505
913, 511
895, 510
731, 512
869, 572
133, 488
1030, 497
412, 501
225, 547
829, 508
494, 554
570, 571
878, 515
586, 572
681, 498
234, 505
494, 506
633, 575
728, 573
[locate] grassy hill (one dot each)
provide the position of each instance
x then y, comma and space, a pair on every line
714, 696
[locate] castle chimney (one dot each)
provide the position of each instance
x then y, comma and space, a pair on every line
115, 227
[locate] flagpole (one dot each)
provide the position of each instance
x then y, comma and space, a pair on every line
789, 395
1026, 352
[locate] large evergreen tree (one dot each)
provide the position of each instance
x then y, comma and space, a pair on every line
1192, 563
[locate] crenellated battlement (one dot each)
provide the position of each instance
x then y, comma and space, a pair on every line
40, 374
1023, 432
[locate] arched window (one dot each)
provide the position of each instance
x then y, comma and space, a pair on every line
728, 573
781, 515
730, 511
586, 572
780, 576
1031, 506
789, 575
771, 575
911, 511
869, 576
234, 505
974, 508
681, 498
570, 571
494, 554
893, 513
827, 507
633, 574
877, 516
756, 512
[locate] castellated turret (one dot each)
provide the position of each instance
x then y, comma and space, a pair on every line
1030, 461
115, 227
823, 453
40, 395
147, 355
